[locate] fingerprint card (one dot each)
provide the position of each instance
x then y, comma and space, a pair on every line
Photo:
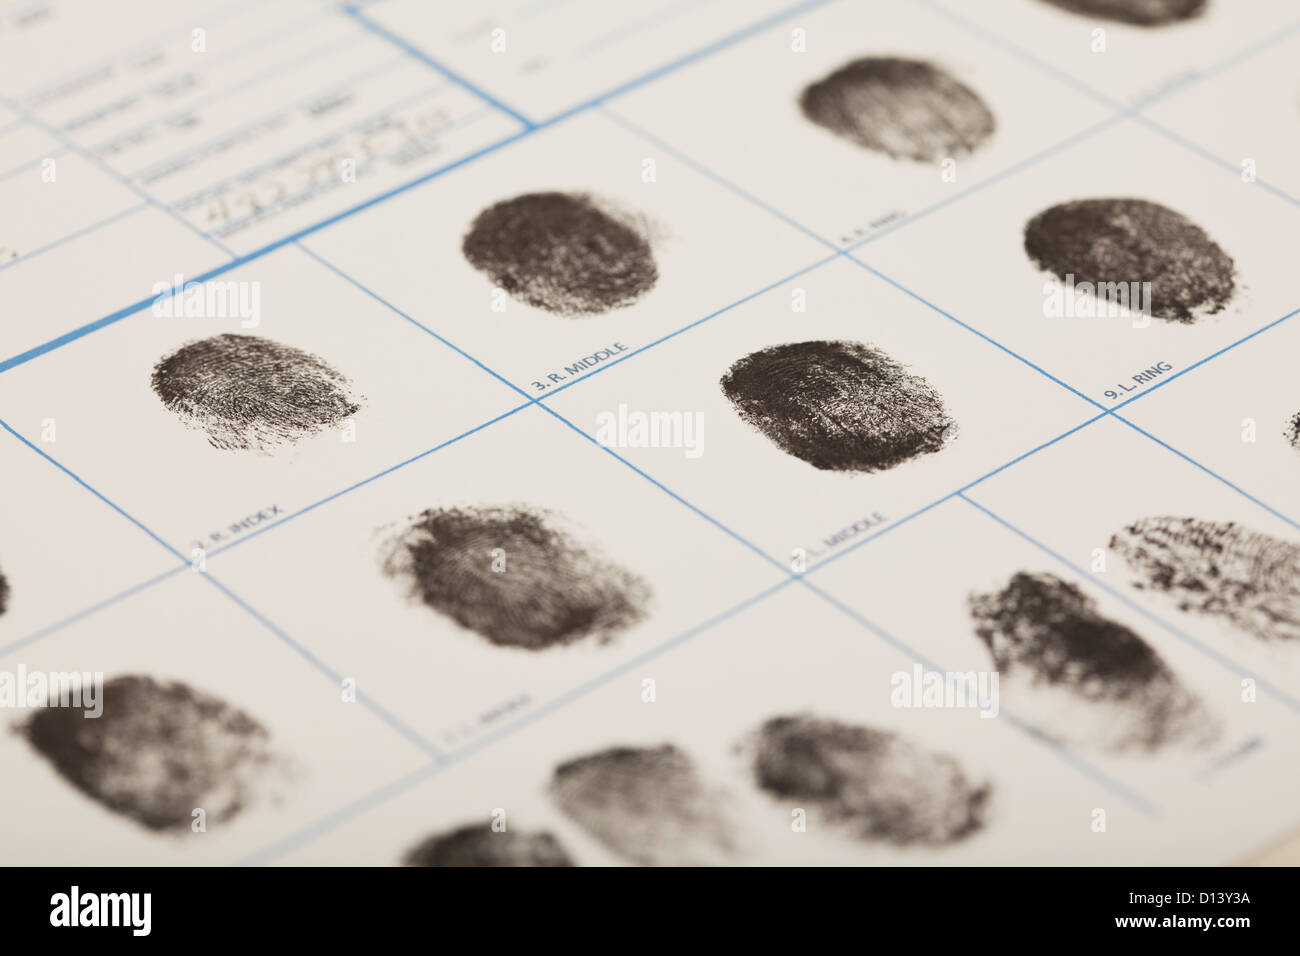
555, 433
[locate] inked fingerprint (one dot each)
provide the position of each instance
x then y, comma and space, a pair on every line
874, 784
4, 593
1045, 632
513, 576
157, 752
906, 109
1218, 569
840, 406
1141, 13
1293, 431
647, 804
1128, 241
481, 846
568, 253
249, 393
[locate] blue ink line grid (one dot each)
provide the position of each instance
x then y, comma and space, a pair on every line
553, 432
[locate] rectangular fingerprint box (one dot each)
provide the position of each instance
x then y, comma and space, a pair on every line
550, 432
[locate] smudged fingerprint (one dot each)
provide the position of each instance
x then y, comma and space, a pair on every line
480, 846
906, 109
157, 752
1141, 13
1133, 240
647, 804
840, 406
513, 576
875, 784
1293, 431
4, 593
1218, 569
567, 253
1047, 633
252, 394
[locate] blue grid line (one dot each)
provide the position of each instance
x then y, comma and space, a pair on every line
158, 579
385, 793
791, 576
686, 160
108, 171
365, 481
1135, 112
415, 52
970, 328
216, 14
512, 411
1054, 150
1222, 66
146, 174
1083, 766
415, 322
35, 636
686, 328
217, 95
535, 401
1018, 52
579, 430
649, 76
305, 653
628, 30
952, 494
215, 187
1195, 147
79, 480
1214, 655
137, 306
672, 494
1197, 150
714, 176
72, 236
1188, 458
31, 163
316, 188
122, 313
1213, 355
692, 57
1121, 114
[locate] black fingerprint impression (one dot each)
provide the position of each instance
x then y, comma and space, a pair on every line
1293, 431
157, 752
481, 846
1219, 569
513, 576
250, 393
4, 593
875, 784
1133, 240
1141, 13
1047, 632
906, 109
567, 253
840, 406
647, 804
